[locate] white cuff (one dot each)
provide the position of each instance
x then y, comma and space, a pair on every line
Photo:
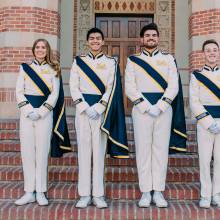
82, 106
26, 110
206, 122
43, 111
100, 108
143, 107
162, 105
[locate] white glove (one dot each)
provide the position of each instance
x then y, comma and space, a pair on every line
92, 113
218, 125
214, 128
154, 111
34, 116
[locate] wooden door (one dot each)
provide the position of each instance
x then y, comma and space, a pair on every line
122, 38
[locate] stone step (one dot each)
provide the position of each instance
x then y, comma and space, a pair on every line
112, 174
129, 191
13, 124
14, 145
14, 135
118, 209
70, 159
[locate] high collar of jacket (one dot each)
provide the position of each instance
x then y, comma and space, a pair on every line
97, 56
208, 68
38, 63
150, 54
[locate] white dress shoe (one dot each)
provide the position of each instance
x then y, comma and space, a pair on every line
159, 200
41, 198
204, 202
28, 197
145, 200
83, 202
216, 199
99, 202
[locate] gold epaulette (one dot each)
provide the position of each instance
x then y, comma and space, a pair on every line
113, 58
164, 52
137, 54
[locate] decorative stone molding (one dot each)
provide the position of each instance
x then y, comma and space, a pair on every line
85, 22
160, 8
163, 18
124, 6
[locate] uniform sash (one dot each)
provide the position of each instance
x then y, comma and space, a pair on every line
211, 86
60, 142
91, 75
178, 126
114, 118
150, 71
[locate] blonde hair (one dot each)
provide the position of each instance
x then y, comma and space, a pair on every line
49, 57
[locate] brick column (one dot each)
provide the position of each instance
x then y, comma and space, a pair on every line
22, 22
204, 23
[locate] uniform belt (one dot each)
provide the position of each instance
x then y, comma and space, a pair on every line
213, 110
152, 97
92, 99
35, 100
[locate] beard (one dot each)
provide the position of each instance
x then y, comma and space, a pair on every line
150, 46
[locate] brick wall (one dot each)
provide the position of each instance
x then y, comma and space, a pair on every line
20, 26
29, 19
202, 24
196, 60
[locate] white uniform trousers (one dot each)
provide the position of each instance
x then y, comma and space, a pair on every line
91, 144
152, 137
208, 145
35, 137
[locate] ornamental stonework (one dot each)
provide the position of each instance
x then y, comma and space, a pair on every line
84, 23
124, 6
162, 17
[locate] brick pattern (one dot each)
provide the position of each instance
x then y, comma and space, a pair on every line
204, 22
128, 191
29, 19
112, 174
12, 57
12, 124
70, 159
121, 184
14, 135
7, 95
128, 210
197, 60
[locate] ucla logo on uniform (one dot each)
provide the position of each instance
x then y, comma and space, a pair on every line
45, 71
161, 63
101, 66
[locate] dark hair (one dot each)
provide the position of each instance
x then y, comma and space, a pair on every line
94, 30
151, 26
211, 41
49, 57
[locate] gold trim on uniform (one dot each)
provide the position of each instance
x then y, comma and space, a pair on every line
21, 104
107, 132
48, 106
180, 133
58, 121
149, 76
40, 75
178, 148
